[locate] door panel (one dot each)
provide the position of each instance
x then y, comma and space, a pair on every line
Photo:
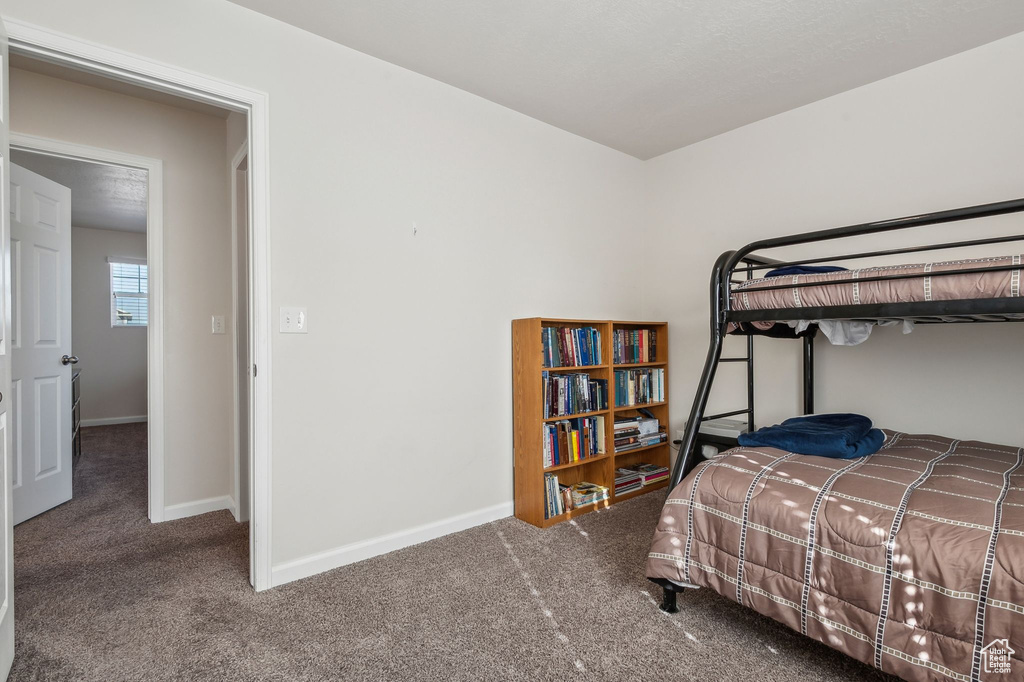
47, 300
41, 248
49, 458
6, 497
47, 213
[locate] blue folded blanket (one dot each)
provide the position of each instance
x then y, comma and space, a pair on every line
844, 436
803, 270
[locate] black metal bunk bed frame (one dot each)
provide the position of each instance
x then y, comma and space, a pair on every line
732, 264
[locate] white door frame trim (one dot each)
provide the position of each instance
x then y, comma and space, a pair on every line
243, 151
60, 48
155, 260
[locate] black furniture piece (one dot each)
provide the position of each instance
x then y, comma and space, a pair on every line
734, 267
76, 417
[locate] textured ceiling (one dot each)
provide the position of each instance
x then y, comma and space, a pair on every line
102, 197
650, 76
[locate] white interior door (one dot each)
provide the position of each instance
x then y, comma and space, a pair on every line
6, 512
40, 343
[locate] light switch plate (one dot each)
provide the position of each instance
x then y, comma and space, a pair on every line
217, 324
293, 321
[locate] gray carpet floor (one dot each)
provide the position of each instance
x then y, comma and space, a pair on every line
101, 594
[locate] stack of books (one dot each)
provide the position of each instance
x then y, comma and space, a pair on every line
561, 498
650, 473
627, 480
587, 493
571, 347
557, 498
566, 394
632, 433
634, 345
639, 386
573, 440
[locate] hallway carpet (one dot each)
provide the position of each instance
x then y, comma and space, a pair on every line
103, 595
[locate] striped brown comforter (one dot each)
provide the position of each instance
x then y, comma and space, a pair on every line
911, 560
851, 291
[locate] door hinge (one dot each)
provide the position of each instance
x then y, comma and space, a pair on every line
254, 371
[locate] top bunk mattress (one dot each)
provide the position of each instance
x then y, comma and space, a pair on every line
845, 288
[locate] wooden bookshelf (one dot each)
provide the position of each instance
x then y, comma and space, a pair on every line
528, 417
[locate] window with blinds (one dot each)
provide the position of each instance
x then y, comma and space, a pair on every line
129, 293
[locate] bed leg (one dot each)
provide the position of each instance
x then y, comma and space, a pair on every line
668, 601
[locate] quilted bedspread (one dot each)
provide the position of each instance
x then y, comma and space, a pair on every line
911, 560
920, 284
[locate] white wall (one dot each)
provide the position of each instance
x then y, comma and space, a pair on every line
197, 257
395, 409
944, 135
113, 359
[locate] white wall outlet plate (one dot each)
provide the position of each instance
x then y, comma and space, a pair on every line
217, 324
293, 321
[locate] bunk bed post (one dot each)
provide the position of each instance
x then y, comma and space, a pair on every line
750, 367
668, 601
809, 374
719, 288
750, 382
669, 592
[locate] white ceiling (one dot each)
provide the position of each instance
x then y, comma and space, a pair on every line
102, 197
650, 76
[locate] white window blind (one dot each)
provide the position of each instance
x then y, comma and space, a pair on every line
129, 292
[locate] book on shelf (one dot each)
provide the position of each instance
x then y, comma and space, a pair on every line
571, 346
575, 393
636, 442
632, 433
627, 480
630, 346
639, 386
573, 440
587, 493
649, 474
561, 498
554, 499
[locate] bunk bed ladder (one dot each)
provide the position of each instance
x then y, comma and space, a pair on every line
749, 360
687, 456
719, 292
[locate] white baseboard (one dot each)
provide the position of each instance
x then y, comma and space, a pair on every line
357, 551
210, 504
109, 421
235, 510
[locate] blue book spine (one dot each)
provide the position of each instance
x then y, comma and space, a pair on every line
546, 382
558, 456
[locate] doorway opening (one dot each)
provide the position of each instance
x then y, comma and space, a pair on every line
79, 288
190, 335
244, 408
92, 59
